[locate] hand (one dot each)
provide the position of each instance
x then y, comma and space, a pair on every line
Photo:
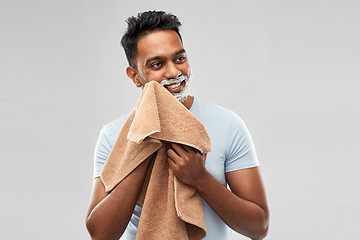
187, 163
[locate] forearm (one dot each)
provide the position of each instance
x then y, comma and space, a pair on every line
109, 218
241, 215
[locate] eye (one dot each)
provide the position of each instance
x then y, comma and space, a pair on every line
156, 65
180, 59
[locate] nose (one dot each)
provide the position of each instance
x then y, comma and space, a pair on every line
172, 71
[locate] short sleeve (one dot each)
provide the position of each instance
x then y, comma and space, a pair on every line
102, 150
241, 152
106, 141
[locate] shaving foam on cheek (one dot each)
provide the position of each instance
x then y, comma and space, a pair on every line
184, 93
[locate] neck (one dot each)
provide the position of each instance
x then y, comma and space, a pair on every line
188, 102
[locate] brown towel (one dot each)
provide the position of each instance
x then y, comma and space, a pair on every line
171, 209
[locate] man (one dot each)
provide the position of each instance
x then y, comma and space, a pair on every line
154, 49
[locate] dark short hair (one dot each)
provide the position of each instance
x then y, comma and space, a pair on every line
143, 24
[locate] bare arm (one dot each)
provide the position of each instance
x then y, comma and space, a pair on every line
244, 209
109, 213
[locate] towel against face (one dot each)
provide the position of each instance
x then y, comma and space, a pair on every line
171, 209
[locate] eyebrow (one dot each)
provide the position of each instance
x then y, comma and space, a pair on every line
158, 57
179, 52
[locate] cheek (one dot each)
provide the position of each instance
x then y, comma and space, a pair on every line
154, 76
186, 70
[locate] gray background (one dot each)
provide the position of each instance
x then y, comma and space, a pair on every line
290, 69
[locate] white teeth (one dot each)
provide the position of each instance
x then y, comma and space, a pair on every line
175, 85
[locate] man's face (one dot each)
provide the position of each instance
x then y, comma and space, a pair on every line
160, 56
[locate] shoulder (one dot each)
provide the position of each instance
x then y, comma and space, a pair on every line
221, 120
106, 141
114, 127
204, 105
210, 110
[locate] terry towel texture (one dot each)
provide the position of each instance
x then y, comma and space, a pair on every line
171, 209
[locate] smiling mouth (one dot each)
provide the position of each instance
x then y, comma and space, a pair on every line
175, 87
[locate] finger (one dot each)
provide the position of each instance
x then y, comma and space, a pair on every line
190, 149
179, 149
171, 162
173, 155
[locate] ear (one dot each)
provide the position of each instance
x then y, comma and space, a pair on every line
134, 75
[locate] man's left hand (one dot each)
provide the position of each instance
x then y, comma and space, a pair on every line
187, 163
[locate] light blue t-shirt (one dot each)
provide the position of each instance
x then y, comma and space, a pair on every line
232, 149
